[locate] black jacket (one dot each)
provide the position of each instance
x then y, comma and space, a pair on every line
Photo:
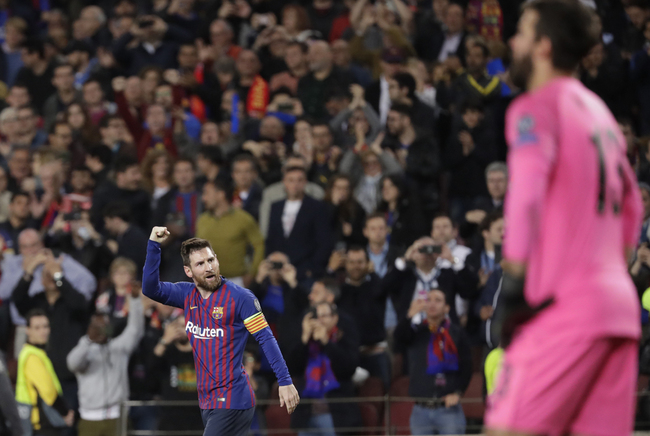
468, 172
401, 285
295, 304
366, 303
68, 320
96, 258
310, 243
422, 385
137, 200
252, 203
344, 356
357, 219
314, 93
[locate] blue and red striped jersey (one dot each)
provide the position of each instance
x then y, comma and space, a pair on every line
218, 328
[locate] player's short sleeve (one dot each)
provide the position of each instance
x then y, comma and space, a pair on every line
251, 312
530, 126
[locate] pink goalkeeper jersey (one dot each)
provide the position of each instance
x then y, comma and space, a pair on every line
573, 206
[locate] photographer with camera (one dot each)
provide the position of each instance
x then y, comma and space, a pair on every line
277, 289
73, 233
419, 271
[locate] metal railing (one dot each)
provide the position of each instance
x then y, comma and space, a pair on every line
386, 429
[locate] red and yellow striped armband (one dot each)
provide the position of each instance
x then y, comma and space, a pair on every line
255, 323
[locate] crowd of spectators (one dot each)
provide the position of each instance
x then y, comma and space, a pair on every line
345, 159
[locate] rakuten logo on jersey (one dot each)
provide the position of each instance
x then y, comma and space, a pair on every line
203, 333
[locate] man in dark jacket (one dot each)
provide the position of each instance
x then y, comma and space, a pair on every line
419, 155
298, 227
413, 280
283, 300
323, 362
470, 149
363, 298
440, 365
155, 45
247, 193
324, 78
126, 188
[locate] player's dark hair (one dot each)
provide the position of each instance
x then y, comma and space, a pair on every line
490, 219
190, 246
570, 27
406, 80
34, 313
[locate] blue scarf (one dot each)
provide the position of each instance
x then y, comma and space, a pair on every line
319, 376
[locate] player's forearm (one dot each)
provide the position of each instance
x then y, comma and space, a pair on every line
272, 352
150, 274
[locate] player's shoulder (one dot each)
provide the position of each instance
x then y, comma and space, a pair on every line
238, 292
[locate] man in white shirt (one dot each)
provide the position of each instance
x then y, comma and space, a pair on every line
300, 228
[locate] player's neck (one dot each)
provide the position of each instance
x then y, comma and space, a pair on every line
543, 75
205, 294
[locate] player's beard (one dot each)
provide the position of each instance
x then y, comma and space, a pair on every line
206, 285
520, 71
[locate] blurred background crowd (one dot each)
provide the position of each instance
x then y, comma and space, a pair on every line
344, 158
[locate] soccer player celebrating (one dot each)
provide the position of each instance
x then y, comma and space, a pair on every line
218, 317
570, 321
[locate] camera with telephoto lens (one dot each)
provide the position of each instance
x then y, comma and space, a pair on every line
430, 249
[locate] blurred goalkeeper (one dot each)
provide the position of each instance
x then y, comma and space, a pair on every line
569, 313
